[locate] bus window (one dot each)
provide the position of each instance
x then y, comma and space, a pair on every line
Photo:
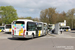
19, 22
64, 27
31, 26
8, 26
39, 26
50, 26
1, 27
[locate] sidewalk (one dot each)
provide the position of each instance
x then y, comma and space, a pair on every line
61, 35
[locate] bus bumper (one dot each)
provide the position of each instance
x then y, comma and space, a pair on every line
26, 36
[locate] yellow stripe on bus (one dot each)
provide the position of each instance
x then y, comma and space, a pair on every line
39, 33
0, 30
10, 30
21, 32
67, 30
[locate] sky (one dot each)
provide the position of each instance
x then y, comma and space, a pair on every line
32, 8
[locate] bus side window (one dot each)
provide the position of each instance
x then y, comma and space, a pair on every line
31, 26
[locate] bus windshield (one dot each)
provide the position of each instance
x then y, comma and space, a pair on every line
64, 28
39, 26
8, 26
1, 27
19, 22
49, 25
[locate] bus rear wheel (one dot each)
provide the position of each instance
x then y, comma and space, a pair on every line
32, 35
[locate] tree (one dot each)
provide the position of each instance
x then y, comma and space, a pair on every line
30, 18
36, 19
43, 16
9, 14
25, 18
48, 15
0, 22
61, 17
71, 17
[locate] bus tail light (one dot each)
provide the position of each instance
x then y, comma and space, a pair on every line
24, 33
13, 32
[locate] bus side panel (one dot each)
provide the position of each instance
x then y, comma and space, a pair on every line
30, 29
29, 35
39, 33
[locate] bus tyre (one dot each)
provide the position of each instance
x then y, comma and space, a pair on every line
32, 35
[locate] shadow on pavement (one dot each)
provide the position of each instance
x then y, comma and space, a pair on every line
54, 33
72, 32
20, 39
7, 33
24, 39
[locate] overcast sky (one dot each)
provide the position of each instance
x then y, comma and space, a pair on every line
33, 7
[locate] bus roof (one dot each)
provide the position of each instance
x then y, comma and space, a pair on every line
51, 24
40, 22
45, 23
24, 20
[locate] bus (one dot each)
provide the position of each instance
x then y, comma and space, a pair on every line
8, 28
65, 28
23, 28
2, 28
40, 28
51, 27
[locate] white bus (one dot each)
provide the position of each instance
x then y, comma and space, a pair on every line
51, 27
2, 28
8, 28
40, 28
65, 28
23, 28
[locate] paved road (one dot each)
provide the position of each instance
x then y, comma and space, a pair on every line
4, 35
41, 43
71, 33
